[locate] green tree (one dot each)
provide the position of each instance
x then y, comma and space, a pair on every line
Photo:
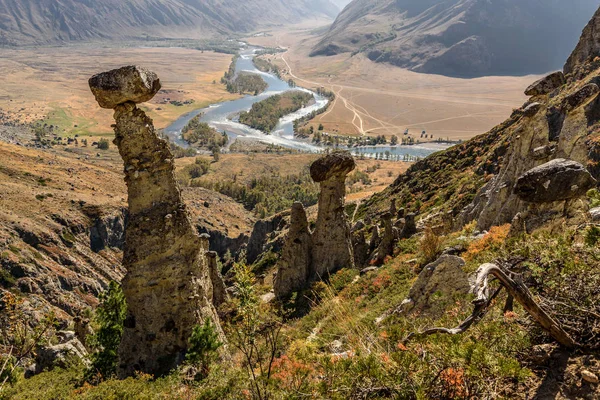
203, 345
110, 316
321, 127
394, 140
103, 144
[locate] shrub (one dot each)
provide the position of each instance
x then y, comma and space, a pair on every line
592, 236
103, 144
110, 316
430, 247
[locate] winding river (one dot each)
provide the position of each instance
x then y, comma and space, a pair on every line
223, 116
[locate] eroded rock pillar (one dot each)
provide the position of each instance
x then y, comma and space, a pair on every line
167, 286
293, 270
332, 242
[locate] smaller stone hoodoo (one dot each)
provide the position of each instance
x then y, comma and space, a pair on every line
332, 241
295, 263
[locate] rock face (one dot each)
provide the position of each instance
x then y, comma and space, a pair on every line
167, 286
556, 180
219, 289
588, 46
437, 286
546, 85
294, 266
332, 242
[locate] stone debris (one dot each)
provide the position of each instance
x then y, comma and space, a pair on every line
168, 285
556, 180
589, 377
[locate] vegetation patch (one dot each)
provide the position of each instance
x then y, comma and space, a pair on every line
265, 114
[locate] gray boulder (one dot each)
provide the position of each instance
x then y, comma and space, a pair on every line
556, 180
595, 214
546, 85
436, 287
131, 83
582, 95
60, 355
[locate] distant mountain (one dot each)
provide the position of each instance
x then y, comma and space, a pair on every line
49, 21
463, 38
341, 4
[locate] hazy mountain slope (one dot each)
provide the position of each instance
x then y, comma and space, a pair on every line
46, 21
461, 37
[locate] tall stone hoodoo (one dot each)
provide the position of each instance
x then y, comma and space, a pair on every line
167, 286
386, 246
332, 242
294, 266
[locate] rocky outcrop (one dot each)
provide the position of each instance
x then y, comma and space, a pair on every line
386, 245
167, 286
546, 85
61, 355
437, 287
294, 266
588, 46
332, 242
108, 231
263, 234
556, 180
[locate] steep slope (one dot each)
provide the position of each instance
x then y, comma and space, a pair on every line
474, 181
47, 21
464, 38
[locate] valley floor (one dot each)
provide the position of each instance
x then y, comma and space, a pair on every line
376, 99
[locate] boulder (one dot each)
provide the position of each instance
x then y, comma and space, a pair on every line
546, 85
595, 214
60, 356
532, 109
556, 180
436, 287
127, 84
294, 266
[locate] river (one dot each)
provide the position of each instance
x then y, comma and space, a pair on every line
223, 116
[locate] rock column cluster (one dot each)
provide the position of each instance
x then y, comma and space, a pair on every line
167, 286
307, 256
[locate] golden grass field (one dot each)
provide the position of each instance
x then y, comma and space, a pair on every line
377, 99
52, 82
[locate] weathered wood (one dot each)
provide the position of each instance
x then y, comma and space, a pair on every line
518, 291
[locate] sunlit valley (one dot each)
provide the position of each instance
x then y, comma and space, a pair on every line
299, 199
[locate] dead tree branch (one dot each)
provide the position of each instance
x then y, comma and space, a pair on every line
518, 291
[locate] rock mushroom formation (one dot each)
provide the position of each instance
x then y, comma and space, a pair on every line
410, 227
332, 242
556, 180
167, 286
219, 289
295, 263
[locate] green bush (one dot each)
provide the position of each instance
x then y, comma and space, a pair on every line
103, 144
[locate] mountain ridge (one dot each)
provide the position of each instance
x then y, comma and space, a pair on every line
52, 21
462, 38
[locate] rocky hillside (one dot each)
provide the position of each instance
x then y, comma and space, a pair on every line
464, 38
50, 21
